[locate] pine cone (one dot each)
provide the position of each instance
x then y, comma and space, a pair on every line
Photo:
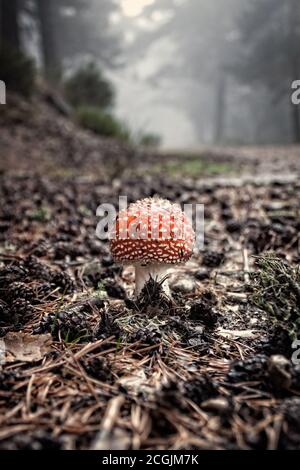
153, 295
62, 249
202, 274
251, 369
74, 323
202, 311
213, 259
114, 289
278, 341
169, 395
37, 270
146, 336
161, 426
38, 440
233, 226
19, 290
291, 409
7, 379
64, 281
200, 389
39, 248
226, 214
107, 326
12, 273
44, 290
21, 308
97, 367
4, 312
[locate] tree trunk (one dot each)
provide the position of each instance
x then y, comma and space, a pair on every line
220, 108
47, 14
9, 23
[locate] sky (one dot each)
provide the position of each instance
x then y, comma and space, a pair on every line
133, 8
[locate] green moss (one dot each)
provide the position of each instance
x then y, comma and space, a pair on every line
40, 215
193, 167
276, 290
102, 123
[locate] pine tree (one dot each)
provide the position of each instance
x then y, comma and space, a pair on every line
75, 29
9, 23
268, 56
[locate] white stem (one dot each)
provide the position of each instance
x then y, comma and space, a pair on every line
157, 271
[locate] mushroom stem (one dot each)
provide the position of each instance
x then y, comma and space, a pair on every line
158, 272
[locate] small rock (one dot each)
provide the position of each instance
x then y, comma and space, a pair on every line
184, 285
279, 369
202, 275
275, 206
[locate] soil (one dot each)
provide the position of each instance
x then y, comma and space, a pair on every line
207, 370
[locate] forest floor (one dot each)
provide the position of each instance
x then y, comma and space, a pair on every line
83, 365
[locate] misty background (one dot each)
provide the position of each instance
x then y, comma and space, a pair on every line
195, 72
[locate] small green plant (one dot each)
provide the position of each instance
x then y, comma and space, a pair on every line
87, 87
17, 71
192, 167
40, 215
101, 291
102, 123
150, 140
72, 339
276, 290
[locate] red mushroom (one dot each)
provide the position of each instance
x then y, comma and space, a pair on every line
152, 234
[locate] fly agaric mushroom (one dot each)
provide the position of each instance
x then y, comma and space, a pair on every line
152, 234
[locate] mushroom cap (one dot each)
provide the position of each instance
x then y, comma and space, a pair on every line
152, 231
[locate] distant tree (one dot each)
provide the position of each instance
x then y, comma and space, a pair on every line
87, 87
75, 29
83, 31
16, 69
9, 23
203, 33
268, 56
47, 14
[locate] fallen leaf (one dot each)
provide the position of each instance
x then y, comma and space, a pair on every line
24, 347
231, 334
134, 382
233, 308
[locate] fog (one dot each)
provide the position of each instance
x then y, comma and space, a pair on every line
196, 72
187, 70
146, 103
